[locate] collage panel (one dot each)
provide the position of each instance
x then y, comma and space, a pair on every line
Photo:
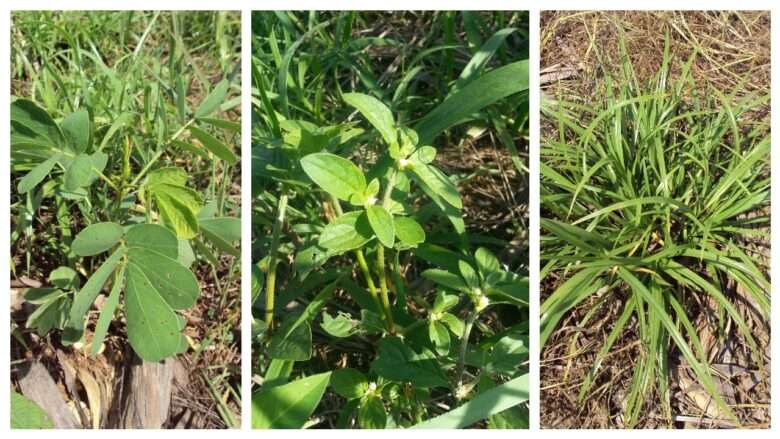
390, 220
125, 219
655, 219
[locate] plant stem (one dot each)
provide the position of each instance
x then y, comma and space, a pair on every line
380, 257
380, 266
363, 267
270, 280
369, 279
464, 344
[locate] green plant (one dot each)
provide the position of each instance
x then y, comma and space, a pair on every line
111, 156
650, 199
376, 301
26, 414
415, 350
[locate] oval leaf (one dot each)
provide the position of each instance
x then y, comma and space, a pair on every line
376, 113
153, 237
76, 128
152, 326
335, 175
382, 223
79, 173
97, 238
409, 231
347, 232
173, 281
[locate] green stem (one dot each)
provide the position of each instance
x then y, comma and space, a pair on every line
464, 344
363, 267
270, 280
369, 279
380, 257
380, 266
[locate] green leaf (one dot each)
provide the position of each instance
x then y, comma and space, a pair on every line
341, 326
51, 314
509, 352
455, 324
213, 100
289, 405
37, 174
335, 175
371, 413
382, 223
347, 232
86, 297
376, 113
444, 301
173, 282
478, 94
77, 131
153, 237
487, 263
483, 55
447, 279
292, 340
25, 414
435, 181
484, 405
222, 123
169, 175
35, 122
79, 173
107, 312
216, 147
65, 278
223, 233
349, 383
178, 207
511, 292
97, 238
439, 336
408, 231
468, 274
152, 326
397, 362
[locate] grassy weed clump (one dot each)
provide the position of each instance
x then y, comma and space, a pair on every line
652, 196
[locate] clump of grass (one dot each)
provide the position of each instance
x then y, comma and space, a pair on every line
649, 197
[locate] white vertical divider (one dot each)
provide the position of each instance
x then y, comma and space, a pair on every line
533, 213
246, 218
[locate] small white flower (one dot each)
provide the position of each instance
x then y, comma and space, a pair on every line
371, 201
461, 392
403, 163
371, 388
481, 302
